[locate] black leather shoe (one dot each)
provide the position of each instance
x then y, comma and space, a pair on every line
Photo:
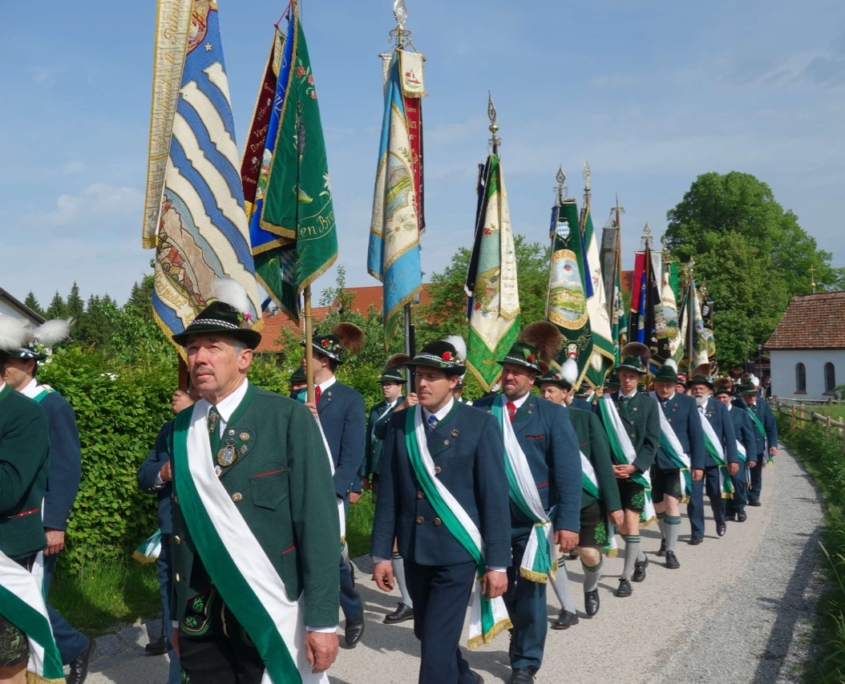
695, 541
79, 667
672, 561
591, 602
157, 647
639, 571
401, 614
754, 502
742, 516
521, 675
624, 589
662, 551
721, 529
730, 516
354, 631
565, 620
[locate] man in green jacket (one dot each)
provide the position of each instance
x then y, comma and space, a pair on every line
256, 534
599, 498
24, 462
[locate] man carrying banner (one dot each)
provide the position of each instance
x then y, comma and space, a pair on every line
443, 493
679, 464
721, 462
63, 478
632, 426
765, 435
544, 474
341, 412
391, 380
599, 498
744, 433
25, 633
254, 519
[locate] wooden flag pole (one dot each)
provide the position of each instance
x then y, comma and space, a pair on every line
309, 349
183, 374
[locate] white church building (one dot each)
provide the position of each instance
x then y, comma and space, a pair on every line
807, 349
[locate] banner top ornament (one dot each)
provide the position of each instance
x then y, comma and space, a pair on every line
495, 141
400, 35
587, 175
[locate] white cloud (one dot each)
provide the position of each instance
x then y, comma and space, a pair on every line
89, 209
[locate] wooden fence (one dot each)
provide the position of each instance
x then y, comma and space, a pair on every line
800, 416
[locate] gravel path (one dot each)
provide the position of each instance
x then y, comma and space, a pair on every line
739, 609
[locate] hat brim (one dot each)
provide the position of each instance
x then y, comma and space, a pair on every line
324, 352
445, 366
565, 384
251, 338
516, 361
625, 366
25, 355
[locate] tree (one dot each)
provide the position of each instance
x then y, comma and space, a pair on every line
57, 308
751, 255
32, 302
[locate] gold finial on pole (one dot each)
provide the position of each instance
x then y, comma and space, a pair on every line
813, 279
560, 190
495, 141
400, 35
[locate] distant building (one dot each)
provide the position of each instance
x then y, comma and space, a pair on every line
9, 306
808, 347
362, 299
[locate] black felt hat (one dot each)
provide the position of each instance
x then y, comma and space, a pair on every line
538, 343
394, 369
298, 376
439, 354
635, 357
345, 339
220, 318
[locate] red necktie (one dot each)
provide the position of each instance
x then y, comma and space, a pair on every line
317, 393
511, 410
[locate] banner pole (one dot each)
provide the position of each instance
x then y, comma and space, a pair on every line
309, 349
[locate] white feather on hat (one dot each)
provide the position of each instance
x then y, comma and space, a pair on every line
231, 292
460, 346
672, 364
569, 371
13, 333
755, 380
52, 332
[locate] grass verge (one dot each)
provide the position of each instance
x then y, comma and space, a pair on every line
105, 592
824, 457
359, 525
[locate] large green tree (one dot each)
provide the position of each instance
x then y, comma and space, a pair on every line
751, 254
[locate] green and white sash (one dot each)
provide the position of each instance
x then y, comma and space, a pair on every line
539, 559
714, 447
671, 445
233, 557
624, 454
341, 511
488, 617
37, 392
762, 431
590, 484
22, 604
743, 456
149, 550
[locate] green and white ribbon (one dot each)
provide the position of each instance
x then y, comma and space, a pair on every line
671, 445
590, 484
743, 456
762, 431
488, 617
714, 447
22, 604
149, 550
539, 559
341, 512
624, 454
237, 563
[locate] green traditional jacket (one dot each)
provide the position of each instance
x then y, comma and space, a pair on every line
24, 462
593, 443
282, 485
639, 416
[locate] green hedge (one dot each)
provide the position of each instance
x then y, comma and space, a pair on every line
823, 454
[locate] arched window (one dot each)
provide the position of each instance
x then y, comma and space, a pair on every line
829, 378
800, 379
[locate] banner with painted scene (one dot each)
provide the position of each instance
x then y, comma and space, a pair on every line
393, 256
201, 229
297, 240
566, 304
602, 356
491, 284
693, 332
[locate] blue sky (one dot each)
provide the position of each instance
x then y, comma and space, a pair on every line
651, 93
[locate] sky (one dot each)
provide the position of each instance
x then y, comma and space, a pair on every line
653, 94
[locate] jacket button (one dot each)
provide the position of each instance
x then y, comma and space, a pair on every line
237, 496
437, 522
178, 579
437, 470
420, 520
175, 499
420, 495
445, 442
177, 539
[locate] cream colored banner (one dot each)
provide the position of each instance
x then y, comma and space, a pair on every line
173, 21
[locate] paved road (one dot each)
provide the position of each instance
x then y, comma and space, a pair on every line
739, 609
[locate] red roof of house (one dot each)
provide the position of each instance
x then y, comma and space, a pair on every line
813, 321
626, 280
363, 298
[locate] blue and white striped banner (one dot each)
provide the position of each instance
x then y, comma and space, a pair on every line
202, 228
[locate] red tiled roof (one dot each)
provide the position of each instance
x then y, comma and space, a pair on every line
813, 321
363, 297
626, 280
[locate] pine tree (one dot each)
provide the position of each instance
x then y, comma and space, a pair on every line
57, 308
32, 302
